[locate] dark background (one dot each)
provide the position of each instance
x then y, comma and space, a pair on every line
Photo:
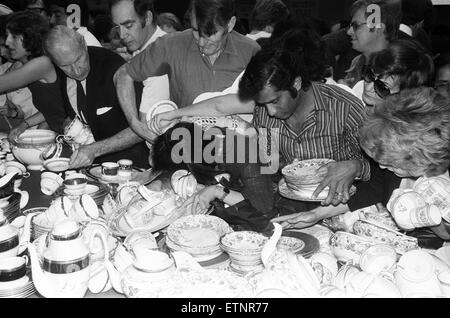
328, 10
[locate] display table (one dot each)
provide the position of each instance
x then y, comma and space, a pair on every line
38, 199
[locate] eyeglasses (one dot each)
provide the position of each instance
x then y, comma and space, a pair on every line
442, 84
355, 25
380, 88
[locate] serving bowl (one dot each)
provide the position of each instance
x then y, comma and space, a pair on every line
31, 144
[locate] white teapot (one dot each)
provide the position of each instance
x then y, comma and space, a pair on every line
66, 266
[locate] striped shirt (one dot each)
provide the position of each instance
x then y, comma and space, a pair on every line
330, 130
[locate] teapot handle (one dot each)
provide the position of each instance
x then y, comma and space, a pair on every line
95, 233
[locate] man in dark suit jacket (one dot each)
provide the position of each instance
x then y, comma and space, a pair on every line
92, 97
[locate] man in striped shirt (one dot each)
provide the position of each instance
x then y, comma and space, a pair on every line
281, 87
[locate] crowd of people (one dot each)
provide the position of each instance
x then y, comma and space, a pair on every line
372, 97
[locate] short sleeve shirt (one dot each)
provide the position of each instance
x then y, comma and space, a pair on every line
190, 73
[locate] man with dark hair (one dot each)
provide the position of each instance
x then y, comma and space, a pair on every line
137, 29
206, 58
94, 100
371, 32
264, 16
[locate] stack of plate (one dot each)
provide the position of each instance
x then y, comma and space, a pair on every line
21, 288
198, 235
12, 210
40, 224
299, 243
97, 190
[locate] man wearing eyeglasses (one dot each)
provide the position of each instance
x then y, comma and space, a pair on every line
206, 58
37, 6
370, 33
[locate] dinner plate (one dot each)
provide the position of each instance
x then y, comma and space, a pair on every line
142, 176
307, 195
95, 172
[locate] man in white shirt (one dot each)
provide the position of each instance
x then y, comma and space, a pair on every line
137, 28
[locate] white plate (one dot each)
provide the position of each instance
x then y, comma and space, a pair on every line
160, 107
96, 173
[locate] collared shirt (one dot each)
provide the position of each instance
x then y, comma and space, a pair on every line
330, 130
259, 35
190, 73
156, 35
156, 88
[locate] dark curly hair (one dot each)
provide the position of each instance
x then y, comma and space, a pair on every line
299, 53
32, 26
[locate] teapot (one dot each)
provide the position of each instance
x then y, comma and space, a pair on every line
13, 242
149, 267
66, 266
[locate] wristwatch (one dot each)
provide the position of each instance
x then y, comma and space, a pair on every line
226, 191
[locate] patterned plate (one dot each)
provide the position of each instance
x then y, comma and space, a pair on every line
198, 231
305, 172
309, 243
284, 191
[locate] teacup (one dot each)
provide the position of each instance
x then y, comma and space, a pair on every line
125, 168
403, 204
50, 182
127, 191
10, 156
75, 186
12, 269
110, 170
86, 209
59, 209
378, 258
78, 132
61, 149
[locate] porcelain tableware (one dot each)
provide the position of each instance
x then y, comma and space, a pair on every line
435, 191
416, 275
86, 208
75, 186
12, 268
50, 182
377, 233
30, 145
348, 247
57, 164
110, 170
444, 279
125, 168
378, 258
66, 269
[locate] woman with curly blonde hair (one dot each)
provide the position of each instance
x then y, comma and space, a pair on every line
409, 134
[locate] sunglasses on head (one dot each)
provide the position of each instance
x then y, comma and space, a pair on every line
380, 88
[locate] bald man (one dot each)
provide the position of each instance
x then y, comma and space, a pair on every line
93, 99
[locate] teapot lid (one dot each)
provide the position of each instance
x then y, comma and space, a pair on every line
151, 261
65, 230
